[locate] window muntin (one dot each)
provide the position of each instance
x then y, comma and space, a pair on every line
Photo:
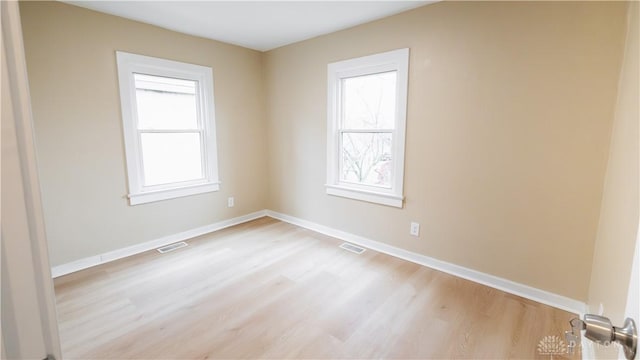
366, 122
169, 128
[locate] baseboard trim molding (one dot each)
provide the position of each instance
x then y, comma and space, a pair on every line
91, 261
525, 291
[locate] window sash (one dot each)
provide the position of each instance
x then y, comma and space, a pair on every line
341, 83
341, 129
139, 192
200, 130
392, 61
203, 160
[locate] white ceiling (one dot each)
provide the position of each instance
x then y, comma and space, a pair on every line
259, 25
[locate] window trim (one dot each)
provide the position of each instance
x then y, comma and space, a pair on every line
128, 64
395, 60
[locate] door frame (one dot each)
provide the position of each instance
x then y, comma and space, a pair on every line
20, 101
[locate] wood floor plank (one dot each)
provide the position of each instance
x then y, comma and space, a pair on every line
271, 290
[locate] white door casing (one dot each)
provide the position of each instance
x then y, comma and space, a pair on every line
29, 322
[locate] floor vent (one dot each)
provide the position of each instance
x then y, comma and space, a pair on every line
352, 248
176, 246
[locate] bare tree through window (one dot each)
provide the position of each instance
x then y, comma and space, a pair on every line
368, 117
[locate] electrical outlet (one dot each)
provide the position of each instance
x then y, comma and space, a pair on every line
230, 201
415, 229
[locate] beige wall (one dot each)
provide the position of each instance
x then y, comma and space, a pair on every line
613, 252
72, 72
509, 119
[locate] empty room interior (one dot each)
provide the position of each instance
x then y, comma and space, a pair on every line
321, 180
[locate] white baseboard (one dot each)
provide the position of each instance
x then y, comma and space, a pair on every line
90, 261
542, 296
528, 292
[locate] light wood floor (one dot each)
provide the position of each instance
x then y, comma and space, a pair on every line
267, 289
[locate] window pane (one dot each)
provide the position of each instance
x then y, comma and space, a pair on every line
369, 102
166, 103
169, 158
366, 158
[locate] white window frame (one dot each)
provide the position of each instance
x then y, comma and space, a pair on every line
130, 64
396, 60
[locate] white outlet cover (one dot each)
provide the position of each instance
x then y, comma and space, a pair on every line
414, 229
230, 202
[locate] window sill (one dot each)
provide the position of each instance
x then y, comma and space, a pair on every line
363, 195
157, 195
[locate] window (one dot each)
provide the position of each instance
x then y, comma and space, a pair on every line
367, 102
169, 128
